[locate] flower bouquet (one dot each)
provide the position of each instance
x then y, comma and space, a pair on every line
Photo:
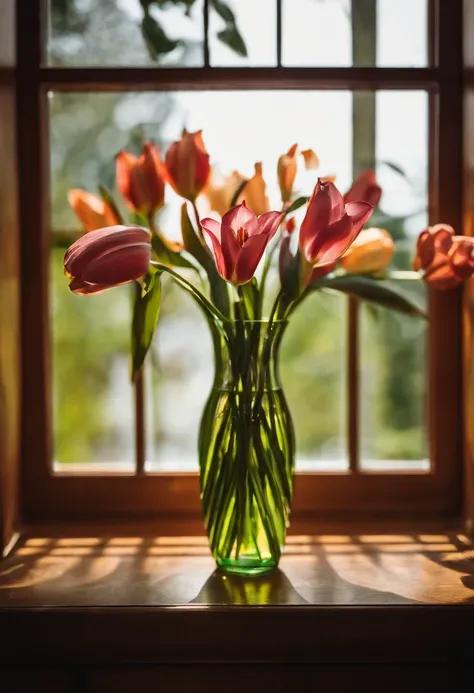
247, 271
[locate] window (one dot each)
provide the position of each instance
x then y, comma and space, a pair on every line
365, 390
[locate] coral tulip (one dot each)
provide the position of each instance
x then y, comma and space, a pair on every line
446, 259
92, 211
187, 165
329, 227
140, 179
240, 241
108, 257
365, 189
371, 252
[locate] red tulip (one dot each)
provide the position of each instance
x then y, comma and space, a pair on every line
92, 211
187, 165
329, 227
446, 259
106, 258
365, 189
240, 241
140, 179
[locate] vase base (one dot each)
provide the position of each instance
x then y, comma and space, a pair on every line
246, 567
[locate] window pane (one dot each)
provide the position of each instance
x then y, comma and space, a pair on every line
120, 32
86, 132
314, 379
319, 33
92, 394
393, 347
402, 33
249, 39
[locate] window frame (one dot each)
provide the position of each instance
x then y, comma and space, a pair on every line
356, 493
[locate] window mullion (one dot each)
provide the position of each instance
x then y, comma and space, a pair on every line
364, 42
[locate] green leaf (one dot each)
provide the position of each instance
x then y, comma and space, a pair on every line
155, 38
167, 255
223, 11
231, 37
202, 254
109, 200
296, 204
210, 310
145, 319
238, 193
389, 293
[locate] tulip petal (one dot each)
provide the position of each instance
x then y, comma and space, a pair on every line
328, 245
337, 201
118, 265
269, 222
241, 216
319, 272
311, 161
318, 214
254, 192
249, 257
359, 212
79, 286
212, 226
218, 254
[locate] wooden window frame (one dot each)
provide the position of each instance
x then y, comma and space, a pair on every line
353, 494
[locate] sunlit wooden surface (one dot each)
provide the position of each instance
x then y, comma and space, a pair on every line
360, 569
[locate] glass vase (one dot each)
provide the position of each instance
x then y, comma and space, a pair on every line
246, 450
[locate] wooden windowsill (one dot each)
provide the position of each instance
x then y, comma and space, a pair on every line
89, 597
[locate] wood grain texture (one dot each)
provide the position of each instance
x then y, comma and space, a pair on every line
9, 320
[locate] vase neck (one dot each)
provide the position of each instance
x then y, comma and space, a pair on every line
247, 355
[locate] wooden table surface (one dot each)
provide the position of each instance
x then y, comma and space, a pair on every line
338, 597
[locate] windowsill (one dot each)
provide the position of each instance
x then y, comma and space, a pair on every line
84, 596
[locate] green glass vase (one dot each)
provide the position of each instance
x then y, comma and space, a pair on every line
246, 450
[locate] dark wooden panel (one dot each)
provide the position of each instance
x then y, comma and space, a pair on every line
29, 679
236, 679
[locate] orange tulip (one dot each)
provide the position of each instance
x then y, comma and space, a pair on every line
371, 252
287, 167
220, 191
187, 165
286, 171
108, 257
446, 260
140, 179
92, 211
254, 192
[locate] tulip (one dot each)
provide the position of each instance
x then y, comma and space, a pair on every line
187, 165
106, 258
255, 192
140, 179
446, 259
220, 191
287, 167
329, 227
365, 189
240, 241
371, 252
92, 211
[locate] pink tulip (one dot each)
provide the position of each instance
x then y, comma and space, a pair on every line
329, 227
364, 188
240, 241
106, 258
